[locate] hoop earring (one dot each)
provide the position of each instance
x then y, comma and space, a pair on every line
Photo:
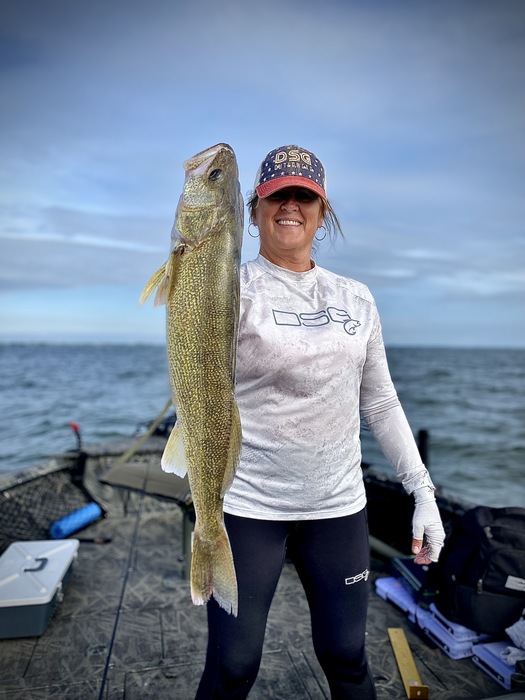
249, 232
323, 237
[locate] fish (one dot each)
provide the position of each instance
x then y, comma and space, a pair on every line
199, 284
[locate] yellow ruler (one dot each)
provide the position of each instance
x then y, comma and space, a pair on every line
407, 667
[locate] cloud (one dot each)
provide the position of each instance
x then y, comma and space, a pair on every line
416, 110
79, 239
56, 247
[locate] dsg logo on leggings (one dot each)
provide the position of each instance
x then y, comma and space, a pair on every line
363, 576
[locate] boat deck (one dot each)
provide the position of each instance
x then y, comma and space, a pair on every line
126, 628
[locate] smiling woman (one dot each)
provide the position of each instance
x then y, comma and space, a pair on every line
287, 221
289, 205
310, 361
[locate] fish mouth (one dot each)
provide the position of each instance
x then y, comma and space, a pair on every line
198, 163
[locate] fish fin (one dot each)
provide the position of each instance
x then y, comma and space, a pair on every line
163, 279
161, 297
213, 571
234, 450
158, 280
174, 456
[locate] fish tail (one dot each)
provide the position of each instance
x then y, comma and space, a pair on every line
213, 572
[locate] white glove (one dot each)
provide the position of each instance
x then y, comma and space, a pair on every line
427, 523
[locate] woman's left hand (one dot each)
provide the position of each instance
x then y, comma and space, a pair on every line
427, 524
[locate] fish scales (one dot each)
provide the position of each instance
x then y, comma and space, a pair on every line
200, 286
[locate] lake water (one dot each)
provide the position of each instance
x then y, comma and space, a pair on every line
472, 402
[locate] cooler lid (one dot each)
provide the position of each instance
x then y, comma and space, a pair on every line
31, 572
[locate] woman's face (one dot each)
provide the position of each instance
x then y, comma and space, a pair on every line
287, 221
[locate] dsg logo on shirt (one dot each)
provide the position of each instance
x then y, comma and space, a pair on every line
317, 318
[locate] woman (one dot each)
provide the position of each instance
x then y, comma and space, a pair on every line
310, 362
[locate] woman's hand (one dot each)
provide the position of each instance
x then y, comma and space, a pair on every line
426, 524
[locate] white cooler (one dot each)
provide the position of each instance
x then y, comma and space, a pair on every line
32, 575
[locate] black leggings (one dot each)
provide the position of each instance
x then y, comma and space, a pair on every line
332, 560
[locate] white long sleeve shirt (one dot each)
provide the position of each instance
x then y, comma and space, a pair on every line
310, 362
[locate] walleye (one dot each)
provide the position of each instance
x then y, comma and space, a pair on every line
199, 284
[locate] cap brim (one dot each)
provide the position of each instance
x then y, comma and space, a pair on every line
268, 188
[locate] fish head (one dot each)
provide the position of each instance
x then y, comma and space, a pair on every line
211, 196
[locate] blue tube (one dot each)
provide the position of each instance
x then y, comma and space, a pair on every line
75, 521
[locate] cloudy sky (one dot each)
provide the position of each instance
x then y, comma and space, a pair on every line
416, 109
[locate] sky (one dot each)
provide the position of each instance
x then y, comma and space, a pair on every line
416, 109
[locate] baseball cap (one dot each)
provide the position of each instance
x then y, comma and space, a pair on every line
290, 166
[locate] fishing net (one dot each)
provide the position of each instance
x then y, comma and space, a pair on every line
31, 504
28, 509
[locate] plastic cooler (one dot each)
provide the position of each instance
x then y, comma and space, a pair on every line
398, 592
489, 658
455, 641
458, 632
32, 575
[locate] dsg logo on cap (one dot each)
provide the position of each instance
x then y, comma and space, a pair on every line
290, 166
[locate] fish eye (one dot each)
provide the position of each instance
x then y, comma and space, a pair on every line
215, 174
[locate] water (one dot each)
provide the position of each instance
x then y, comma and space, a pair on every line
473, 404
107, 389
471, 401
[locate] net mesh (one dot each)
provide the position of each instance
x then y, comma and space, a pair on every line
28, 511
